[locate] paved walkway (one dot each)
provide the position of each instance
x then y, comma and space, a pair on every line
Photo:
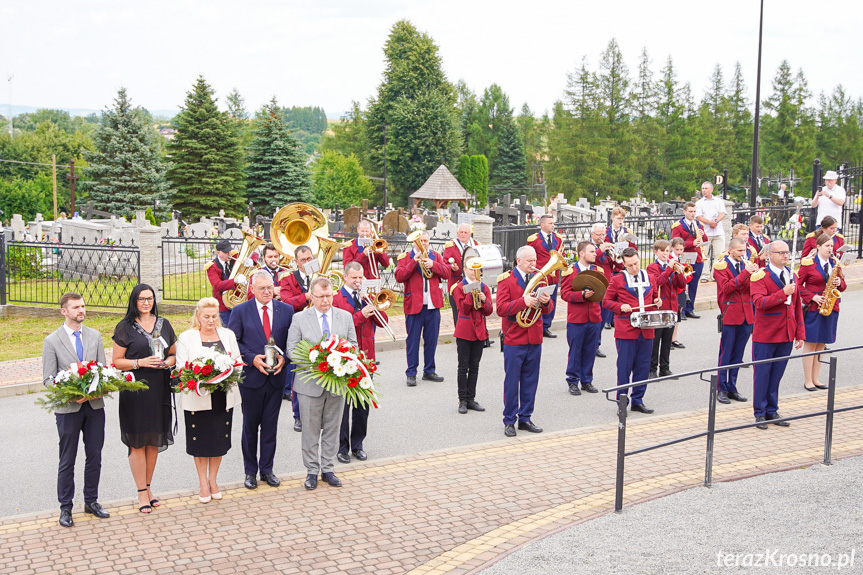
450, 511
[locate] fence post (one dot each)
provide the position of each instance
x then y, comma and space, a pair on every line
831, 397
622, 401
3, 278
150, 258
711, 426
482, 229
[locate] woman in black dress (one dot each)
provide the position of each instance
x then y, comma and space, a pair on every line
145, 416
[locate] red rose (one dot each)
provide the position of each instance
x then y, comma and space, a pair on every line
196, 369
323, 366
207, 369
190, 384
128, 377
82, 370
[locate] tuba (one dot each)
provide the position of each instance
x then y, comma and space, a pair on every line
240, 293
831, 294
415, 238
528, 317
296, 225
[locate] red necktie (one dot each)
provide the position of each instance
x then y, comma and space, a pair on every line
266, 323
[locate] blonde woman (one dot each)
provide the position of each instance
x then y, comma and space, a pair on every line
209, 418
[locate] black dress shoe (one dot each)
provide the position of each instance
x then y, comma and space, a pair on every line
666, 373
821, 386
251, 482
761, 422
360, 454
66, 518
588, 387
432, 376
640, 407
474, 406
488, 343
298, 425
652, 375
547, 333
286, 397
311, 482
779, 423
462, 407
331, 479
607, 326
573, 389
677, 345
529, 426
509, 430
692, 315
723, 397
736, 396
343, 457
271, 479
599, 353
96, 509
412, 381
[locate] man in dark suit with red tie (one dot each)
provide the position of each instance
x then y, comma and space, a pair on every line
355, 419
778, 324
218, 272
254, 322
522, 346
733, 274
363, 254
626, 292
583, 322
688, 229
542, 243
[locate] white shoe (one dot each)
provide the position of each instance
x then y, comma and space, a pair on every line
217, 495
204, 499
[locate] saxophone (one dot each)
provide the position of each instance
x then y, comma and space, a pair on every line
830, 294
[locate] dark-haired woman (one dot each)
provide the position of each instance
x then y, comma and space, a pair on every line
828, 226
145, 416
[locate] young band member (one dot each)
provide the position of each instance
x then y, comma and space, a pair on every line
732, 275
617, 231
583, 322
422, 302
350, 298
828, 226
634, 345
677, 246
271, 266
218, 272
687, 228
778, 322
470, 336
360, 254
605, 261
749, 253
820, 329
452, 255
542, 243
522, 346
757, 239
669, 279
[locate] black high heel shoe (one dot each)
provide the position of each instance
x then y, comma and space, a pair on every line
154, 502
144, 508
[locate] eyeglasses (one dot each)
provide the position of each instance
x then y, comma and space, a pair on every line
146, 299
265, 288
781, 253
325, 296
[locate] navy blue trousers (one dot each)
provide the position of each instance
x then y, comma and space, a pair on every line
692, 287
261, 408
583, 339
427, 324
547, 317
633, 358
731, 346
289, 390
352, 433
765, 391
70, 426
521, 367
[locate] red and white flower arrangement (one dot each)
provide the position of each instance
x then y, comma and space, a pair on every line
212, 371
339, 367
85, 381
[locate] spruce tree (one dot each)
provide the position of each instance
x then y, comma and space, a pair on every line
276, 174
206, 169
125, 172
510, 167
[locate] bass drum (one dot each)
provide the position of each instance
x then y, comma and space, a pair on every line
492, 257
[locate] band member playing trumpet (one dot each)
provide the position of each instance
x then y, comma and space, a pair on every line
470, 333
522, 346
219, 273
732, 275
422, 302
777, 306
669, 278
624, 295
350, 298
363, 254
817, 278
741, 231
583, 322
452, 255
828, 226
757, 239
543, 243
692, 233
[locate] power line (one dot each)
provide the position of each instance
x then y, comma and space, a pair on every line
39, 164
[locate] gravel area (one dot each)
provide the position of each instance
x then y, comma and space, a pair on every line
757, 525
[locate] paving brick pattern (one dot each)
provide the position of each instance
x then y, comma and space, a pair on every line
450, 511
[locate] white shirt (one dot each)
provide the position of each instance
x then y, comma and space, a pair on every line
71, 333
827, 207
305, 280
784, 274
269, 313
329, 316
583, 268
711, 209
824, 263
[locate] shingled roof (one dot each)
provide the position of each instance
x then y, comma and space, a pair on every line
441, 188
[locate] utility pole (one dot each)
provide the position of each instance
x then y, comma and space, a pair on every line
54, 181
72, 177
753, 191
386, 195
10, 105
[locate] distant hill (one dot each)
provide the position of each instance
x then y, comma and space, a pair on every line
16, 110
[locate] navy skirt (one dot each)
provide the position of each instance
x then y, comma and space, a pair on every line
820, 328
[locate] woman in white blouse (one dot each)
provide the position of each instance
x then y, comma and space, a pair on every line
208, 418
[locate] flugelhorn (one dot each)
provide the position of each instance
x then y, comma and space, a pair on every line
415, 237
528, 317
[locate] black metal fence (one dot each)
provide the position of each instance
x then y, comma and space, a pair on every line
39, 273
622, 401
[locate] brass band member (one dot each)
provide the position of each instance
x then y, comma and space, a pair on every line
452, 255
470, 335
364, 254
583, 322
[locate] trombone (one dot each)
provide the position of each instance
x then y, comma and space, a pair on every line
380, 302
379, 246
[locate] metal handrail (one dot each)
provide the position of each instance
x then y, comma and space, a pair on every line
622, 401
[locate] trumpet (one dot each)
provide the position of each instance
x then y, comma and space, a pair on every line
421, 250
380, 302
528, 317
699, 233
379, 246
476, 264
682, 268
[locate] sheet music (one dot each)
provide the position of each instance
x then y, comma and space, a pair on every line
471, 287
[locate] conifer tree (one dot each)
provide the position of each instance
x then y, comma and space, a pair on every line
510, 167
206, 169
125, 172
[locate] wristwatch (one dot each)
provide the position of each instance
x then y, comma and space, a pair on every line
134, 364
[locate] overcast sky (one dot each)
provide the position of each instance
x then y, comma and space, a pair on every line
329, 52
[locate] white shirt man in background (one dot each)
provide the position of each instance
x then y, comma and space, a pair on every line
710, 211
829, 200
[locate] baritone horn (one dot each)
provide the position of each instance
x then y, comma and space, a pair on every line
528, 317
416, 238
240, 293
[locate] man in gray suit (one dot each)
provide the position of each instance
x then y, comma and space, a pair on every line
72, 343
320, 411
